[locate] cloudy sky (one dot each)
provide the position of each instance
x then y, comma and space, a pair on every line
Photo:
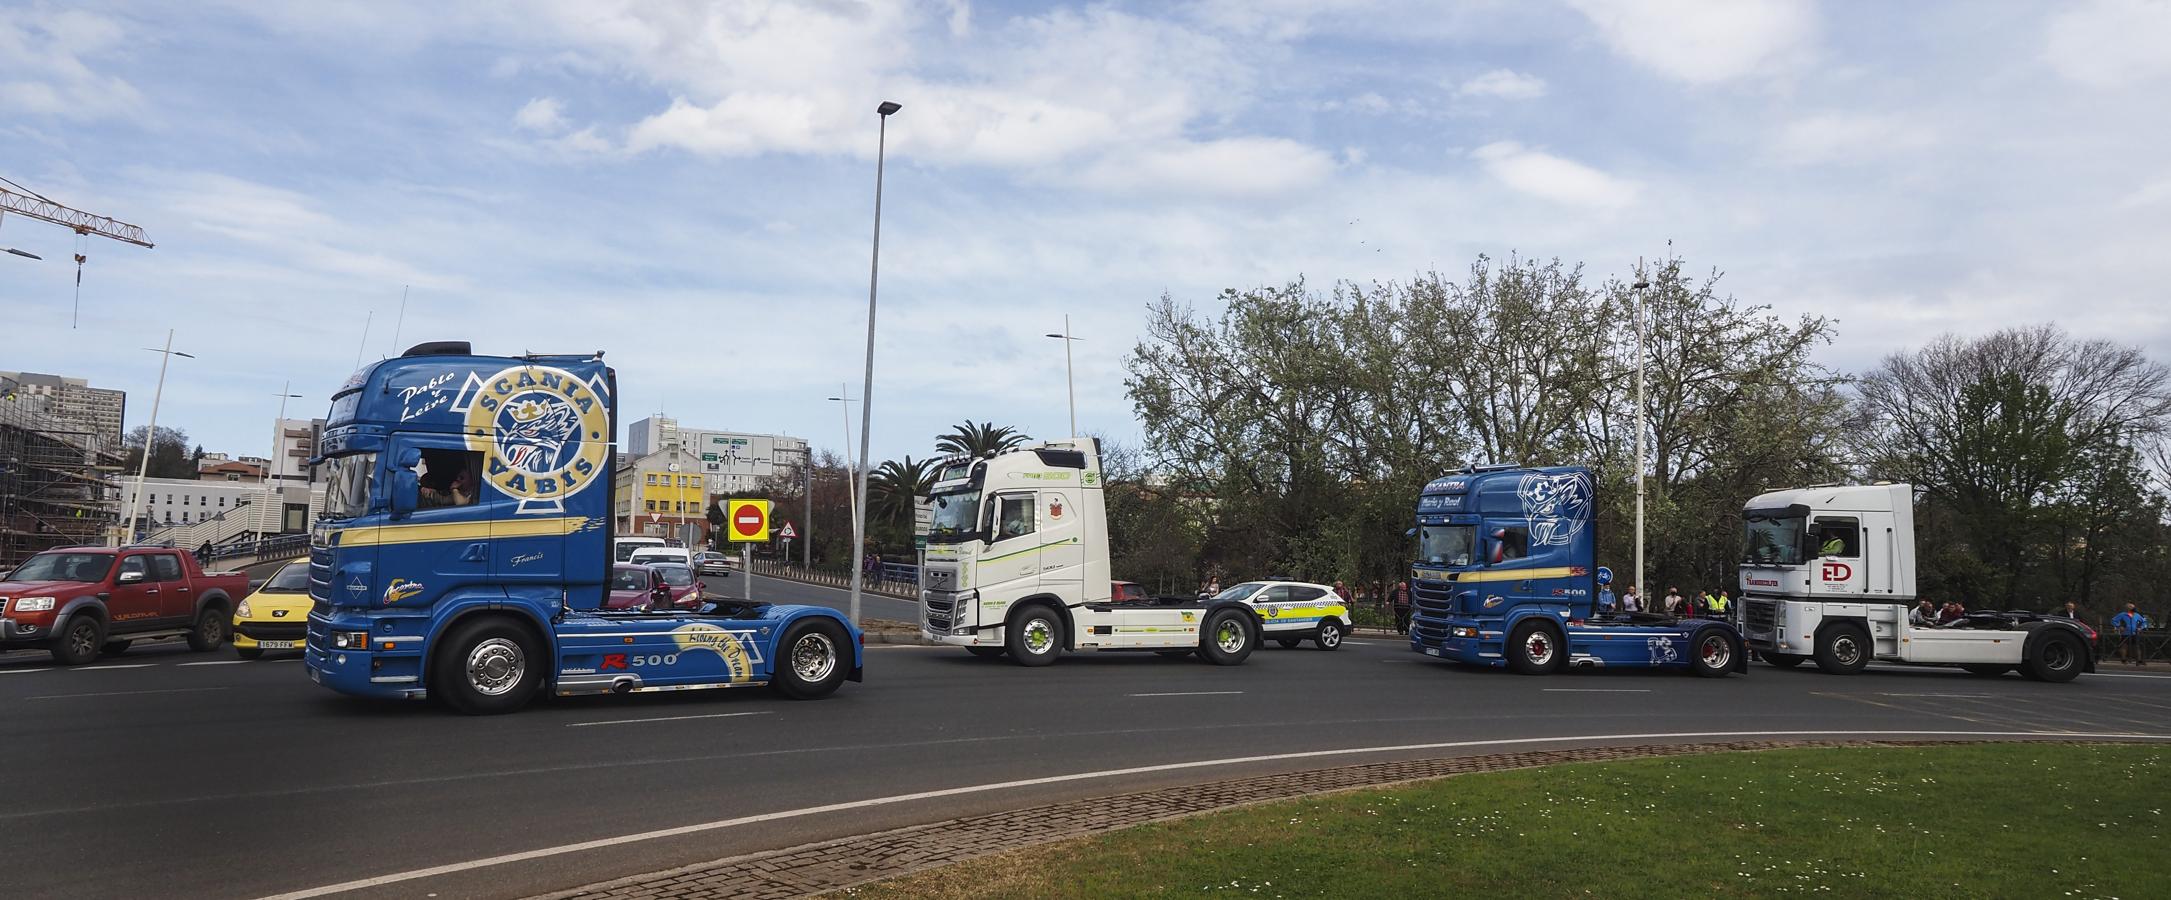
688, 186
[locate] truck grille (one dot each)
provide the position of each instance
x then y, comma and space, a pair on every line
1760, 615
938, 610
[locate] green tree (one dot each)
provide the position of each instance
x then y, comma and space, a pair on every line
169, 454
979, 438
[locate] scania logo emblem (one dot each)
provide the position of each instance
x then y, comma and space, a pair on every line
543, 433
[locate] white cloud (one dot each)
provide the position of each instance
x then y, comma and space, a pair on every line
543, 115
1503, 84
1849, 138
1705, 43
1231, 167
2109, 43
45, 68
1564, 181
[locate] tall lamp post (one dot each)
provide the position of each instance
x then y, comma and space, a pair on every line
1070, 385
866, 391
1643, 590
150, 434
271, 463
851, 482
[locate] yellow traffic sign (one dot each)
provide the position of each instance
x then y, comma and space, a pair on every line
747, 521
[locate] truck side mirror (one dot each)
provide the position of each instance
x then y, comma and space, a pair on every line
406, 487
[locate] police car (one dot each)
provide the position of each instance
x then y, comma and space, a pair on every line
1292, 612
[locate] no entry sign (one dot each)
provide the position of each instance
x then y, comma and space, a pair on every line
747, 520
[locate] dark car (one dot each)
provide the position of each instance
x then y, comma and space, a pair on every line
685, 588
636, 587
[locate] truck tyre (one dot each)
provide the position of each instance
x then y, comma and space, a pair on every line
1035, 636
487, 666
1713, 653
985, 652
1842, 649
249, 652
1781, 660
1535, 649
114, 648
810, 660
2056, 659
209, 632
1289, 643
1329, 636
80, 641
1228, 637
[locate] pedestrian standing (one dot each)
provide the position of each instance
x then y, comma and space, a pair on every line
1400, 601
1605, 600
1673, 602
1630, 603
203, 553
1724, 608
1342, 591
1213, 586
2128, 626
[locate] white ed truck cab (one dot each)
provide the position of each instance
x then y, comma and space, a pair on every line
1017, 564
1829, 575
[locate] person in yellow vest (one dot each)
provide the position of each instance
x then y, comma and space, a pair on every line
1721, 605
1709, 606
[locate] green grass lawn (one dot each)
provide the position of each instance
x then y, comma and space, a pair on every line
1984, 820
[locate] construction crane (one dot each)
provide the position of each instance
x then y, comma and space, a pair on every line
25, 202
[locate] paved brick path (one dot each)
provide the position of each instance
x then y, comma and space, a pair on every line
831, 865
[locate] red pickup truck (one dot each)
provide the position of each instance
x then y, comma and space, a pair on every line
79, 601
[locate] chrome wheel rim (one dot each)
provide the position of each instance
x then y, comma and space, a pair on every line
1039, 636
1539, 648
813, 656
495, 666
1845, 651
1330, 635
2058, 656
1229, 636
1717, 652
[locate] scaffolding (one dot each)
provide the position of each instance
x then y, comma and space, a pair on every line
57, 482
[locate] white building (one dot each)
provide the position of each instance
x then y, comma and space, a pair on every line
734, 462
297, 443
186, 501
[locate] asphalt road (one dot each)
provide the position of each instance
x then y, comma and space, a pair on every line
172, 774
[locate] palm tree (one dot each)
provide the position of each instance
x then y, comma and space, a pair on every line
979, 438
896, 486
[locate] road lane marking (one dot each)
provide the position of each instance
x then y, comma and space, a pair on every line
1597, 690
124, 693
1359, 643
1927, 694
668, 718
21, 671
719, 824
219, 662
118, 666
1188, 694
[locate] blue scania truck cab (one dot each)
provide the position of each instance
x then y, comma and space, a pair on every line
1506, 575
464, 550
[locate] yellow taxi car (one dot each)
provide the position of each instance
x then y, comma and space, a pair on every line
276, 616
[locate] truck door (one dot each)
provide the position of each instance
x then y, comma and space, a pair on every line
1010, 567
136, 592
445, 543
1837, 541
1062, 553
176, 597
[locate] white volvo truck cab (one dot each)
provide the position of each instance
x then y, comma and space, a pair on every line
1829, 575
1017, 564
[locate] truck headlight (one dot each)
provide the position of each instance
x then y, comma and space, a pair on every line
350, 640
242, 611
33, 604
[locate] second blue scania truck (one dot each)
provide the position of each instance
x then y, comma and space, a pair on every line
464, 550
1506, 575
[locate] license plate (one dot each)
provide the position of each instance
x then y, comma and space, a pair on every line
1432, 651
277, 645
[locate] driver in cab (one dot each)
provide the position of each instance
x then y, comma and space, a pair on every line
447, 481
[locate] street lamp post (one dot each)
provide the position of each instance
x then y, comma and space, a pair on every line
271, 463
866, 391
851, 483
150, 434
1070, 385
1643, 590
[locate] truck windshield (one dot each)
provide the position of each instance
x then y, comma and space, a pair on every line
956, 516
346, 485
1774, 540
64, 567
1446, 545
